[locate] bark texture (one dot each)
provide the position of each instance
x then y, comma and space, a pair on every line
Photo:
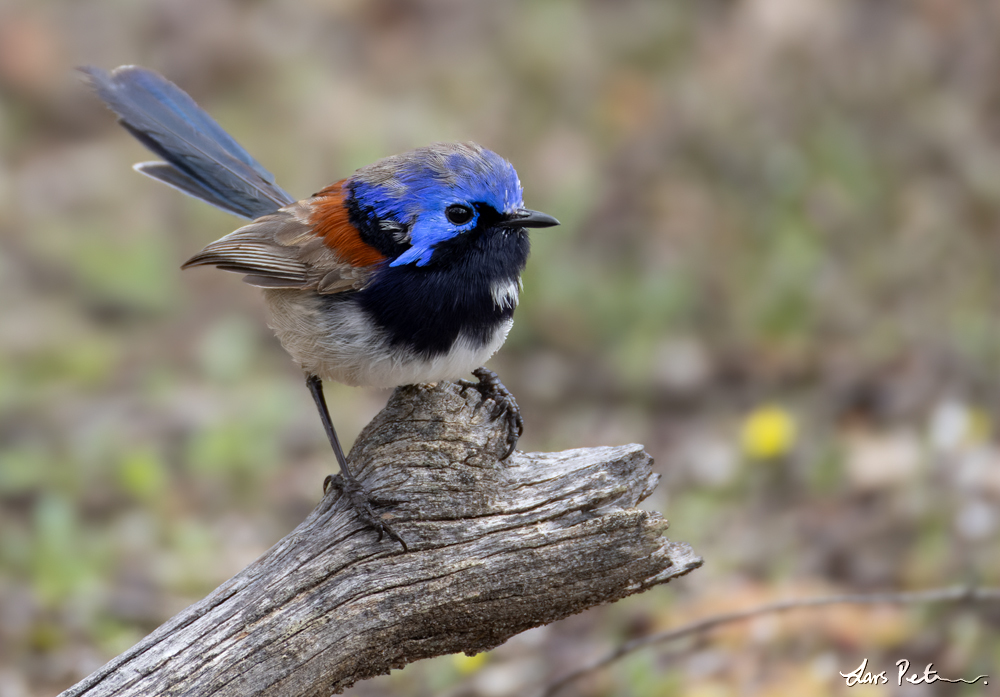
495, 548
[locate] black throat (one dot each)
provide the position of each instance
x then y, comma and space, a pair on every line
428, 308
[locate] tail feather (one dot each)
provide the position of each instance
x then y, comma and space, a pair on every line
166, 173
202, 160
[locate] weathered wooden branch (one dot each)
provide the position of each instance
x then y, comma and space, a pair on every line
495, 548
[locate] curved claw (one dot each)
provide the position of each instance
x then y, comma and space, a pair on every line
491, 388
364, 503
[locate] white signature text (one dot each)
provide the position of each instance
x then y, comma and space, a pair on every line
862, 676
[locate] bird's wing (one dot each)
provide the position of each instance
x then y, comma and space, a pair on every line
307, 245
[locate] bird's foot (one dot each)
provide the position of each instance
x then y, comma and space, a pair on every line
491, 388
364, 503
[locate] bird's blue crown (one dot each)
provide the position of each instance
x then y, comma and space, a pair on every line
414, 190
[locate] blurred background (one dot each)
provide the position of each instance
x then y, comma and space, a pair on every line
778, 269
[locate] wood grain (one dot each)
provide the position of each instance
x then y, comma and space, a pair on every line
495, 548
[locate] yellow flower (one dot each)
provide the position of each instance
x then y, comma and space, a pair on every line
467, 665
768, 432
980, 427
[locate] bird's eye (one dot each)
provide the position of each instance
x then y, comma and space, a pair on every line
459, 215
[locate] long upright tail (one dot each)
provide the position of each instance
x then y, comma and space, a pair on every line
202, 160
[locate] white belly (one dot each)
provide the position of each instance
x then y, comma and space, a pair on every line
342, 345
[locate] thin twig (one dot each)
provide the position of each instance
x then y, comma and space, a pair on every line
936, 595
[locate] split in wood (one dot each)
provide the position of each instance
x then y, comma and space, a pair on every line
495, 548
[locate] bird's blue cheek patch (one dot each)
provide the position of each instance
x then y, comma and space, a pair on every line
413, 254
425, 234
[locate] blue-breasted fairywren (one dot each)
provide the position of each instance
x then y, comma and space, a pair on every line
407, 271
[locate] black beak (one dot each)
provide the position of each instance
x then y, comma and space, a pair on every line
526, 218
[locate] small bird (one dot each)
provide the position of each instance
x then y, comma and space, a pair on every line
408, 271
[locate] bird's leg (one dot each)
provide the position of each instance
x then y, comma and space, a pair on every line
346, 482
490, 387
